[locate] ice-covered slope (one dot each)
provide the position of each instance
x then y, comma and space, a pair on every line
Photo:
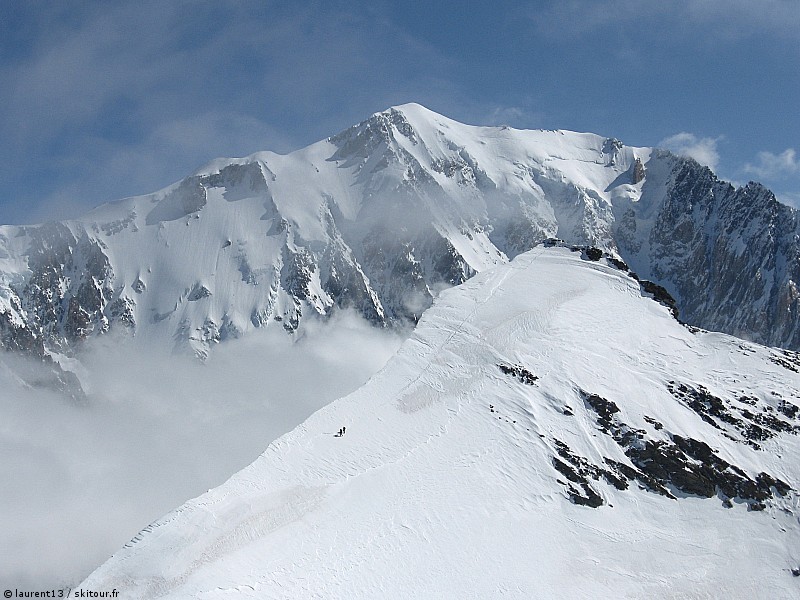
382, 216
546, 432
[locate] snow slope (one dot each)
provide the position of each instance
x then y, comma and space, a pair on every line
541, 434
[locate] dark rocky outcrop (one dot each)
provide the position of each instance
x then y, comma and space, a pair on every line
678, 464
743, 418
519, 372
660, 295
637, 171
593, 253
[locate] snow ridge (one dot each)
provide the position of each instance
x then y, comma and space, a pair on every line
508, 449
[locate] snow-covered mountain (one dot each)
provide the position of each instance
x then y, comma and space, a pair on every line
380, 218
546, 432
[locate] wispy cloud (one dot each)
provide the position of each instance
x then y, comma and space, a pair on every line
170, 150
769, 165
96, 84
514, 116
743, 18
576, 17
701, 149
719, 19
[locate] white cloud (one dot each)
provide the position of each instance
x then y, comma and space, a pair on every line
701, 149
769, 165
80, 480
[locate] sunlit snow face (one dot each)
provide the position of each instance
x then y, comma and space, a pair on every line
81, 479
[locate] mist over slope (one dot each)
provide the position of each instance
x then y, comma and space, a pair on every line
379, 218
530, 439
81, 477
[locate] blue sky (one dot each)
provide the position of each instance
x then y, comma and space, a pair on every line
102, 100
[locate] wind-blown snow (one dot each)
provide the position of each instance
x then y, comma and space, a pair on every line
444, 484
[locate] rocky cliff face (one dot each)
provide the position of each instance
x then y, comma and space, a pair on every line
381, 217
729, 256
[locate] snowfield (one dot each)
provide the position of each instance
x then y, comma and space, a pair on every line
508, 450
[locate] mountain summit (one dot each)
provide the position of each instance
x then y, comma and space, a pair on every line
380, 218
